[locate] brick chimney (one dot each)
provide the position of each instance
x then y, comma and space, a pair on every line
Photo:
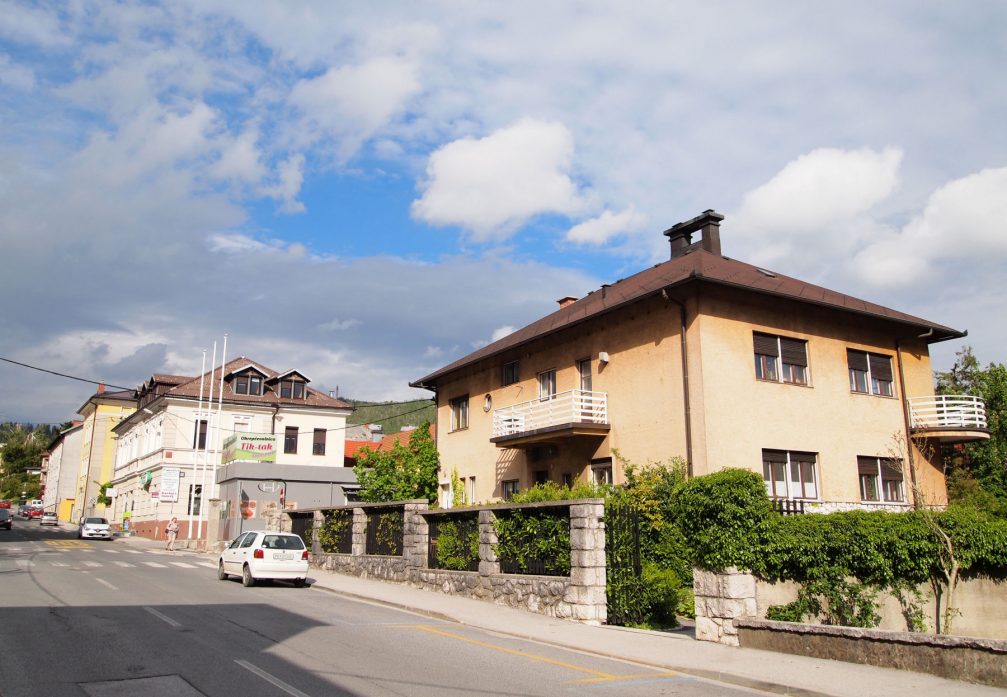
101, 388
568, 300
680, 235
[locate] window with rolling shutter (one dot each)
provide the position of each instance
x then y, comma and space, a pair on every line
790, 474
870, 373
780, 359
881, 479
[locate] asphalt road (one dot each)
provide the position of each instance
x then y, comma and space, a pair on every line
116, 619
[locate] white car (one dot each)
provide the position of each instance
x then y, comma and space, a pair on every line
259, 555
94, 527
49, 518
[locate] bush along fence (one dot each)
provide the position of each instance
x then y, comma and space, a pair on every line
544, 557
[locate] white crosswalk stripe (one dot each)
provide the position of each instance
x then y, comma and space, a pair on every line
58, 563
125, 564
92, 565
182, 564
155, 564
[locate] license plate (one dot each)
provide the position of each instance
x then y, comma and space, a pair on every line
283, 556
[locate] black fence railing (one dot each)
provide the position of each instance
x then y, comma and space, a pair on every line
454, 541
622, 558
534, 541
384, 531
302, 524
788, 506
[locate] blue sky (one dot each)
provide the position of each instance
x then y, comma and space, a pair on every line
364, 192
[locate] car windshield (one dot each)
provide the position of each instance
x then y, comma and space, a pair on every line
282, 542
95, 521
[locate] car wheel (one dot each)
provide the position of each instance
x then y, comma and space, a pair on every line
246, 577
298, 583
221, 574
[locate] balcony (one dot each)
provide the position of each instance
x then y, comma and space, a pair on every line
949, 418
563, 415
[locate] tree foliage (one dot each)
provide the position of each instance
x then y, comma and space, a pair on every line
984, 462
402, 473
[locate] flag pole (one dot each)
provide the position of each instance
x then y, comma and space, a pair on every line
206, 441
195, 454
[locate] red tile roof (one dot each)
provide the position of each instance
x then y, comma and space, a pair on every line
697, 266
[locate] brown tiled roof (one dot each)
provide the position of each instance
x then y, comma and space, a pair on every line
699, 265
190, 388
171, 379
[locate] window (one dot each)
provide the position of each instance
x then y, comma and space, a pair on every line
199, 437
318, 443
470, 491
880, 479
242, 425
547, 384
567, 479
509, 488
541, 476
790, 475
241, 384
780, 359
511, 373
254, 385
292, 388
584, 372
870, 373
195, 499
290, 440
601, 470
459, 413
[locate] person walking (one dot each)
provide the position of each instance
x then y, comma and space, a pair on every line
172, 531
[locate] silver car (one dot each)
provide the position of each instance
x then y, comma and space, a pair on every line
94, 528
49, 518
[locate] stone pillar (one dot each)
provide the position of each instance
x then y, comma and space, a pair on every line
721, 598
586, 594
359, 532
212, 542
415, 534
489, 562
318, 519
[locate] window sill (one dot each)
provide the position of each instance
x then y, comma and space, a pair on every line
781, 382
458, 430
871, 394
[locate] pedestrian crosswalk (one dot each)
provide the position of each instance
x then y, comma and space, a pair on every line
66, 554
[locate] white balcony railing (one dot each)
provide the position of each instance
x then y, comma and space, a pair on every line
573, 406
947, 411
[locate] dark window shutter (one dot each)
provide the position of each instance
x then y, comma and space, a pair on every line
776, 456
857, 360
891, 470
881, 367
867, 465
766, 344
795, 351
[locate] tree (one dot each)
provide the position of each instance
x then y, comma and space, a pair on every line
404, 472
985, 461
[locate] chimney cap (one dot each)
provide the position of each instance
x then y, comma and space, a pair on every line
707, 217
567, 300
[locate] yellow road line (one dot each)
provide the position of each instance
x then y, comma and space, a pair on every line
599, 675
69, 544
622, 678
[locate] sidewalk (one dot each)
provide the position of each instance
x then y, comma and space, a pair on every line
765, 670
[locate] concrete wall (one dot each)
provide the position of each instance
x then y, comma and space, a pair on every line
580, 596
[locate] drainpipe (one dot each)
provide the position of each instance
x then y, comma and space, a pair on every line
685, 382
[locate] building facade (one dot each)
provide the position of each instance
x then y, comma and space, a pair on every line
101, 413
265, 442
719, 363
61, 472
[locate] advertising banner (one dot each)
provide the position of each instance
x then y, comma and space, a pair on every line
250, 447
169, 484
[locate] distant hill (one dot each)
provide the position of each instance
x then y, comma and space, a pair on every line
391, 415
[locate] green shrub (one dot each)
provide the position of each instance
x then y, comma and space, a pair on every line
526, 536
458, 543
334, 531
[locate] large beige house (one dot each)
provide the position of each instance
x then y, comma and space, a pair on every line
715, 361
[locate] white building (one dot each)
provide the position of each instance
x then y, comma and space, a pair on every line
61, 472
271, 428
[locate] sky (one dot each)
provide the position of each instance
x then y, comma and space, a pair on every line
366, 191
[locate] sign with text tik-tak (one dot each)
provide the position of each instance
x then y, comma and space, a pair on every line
250, 447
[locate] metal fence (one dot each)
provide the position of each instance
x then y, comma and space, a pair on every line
384, 531
622, 559
454, 541
534, 541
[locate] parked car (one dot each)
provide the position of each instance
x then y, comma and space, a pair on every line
94, 527
22, 511
6, 519
259, 555
49, 518
34, 513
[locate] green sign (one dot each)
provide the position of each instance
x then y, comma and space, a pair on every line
249, 447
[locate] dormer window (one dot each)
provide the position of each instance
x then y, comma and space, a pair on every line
292, 388
248, 384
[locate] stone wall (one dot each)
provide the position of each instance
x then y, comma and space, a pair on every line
580, 596
981, 661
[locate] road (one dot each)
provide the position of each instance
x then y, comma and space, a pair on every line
118, 619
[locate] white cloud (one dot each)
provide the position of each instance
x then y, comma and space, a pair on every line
824, 186
13, 75
963, 222
240, 159
599, 230
338, 325
351, 103
31, 25
289, 178
501, 332
492, 185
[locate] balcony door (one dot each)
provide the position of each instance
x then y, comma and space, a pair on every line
547, 384
584, 398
